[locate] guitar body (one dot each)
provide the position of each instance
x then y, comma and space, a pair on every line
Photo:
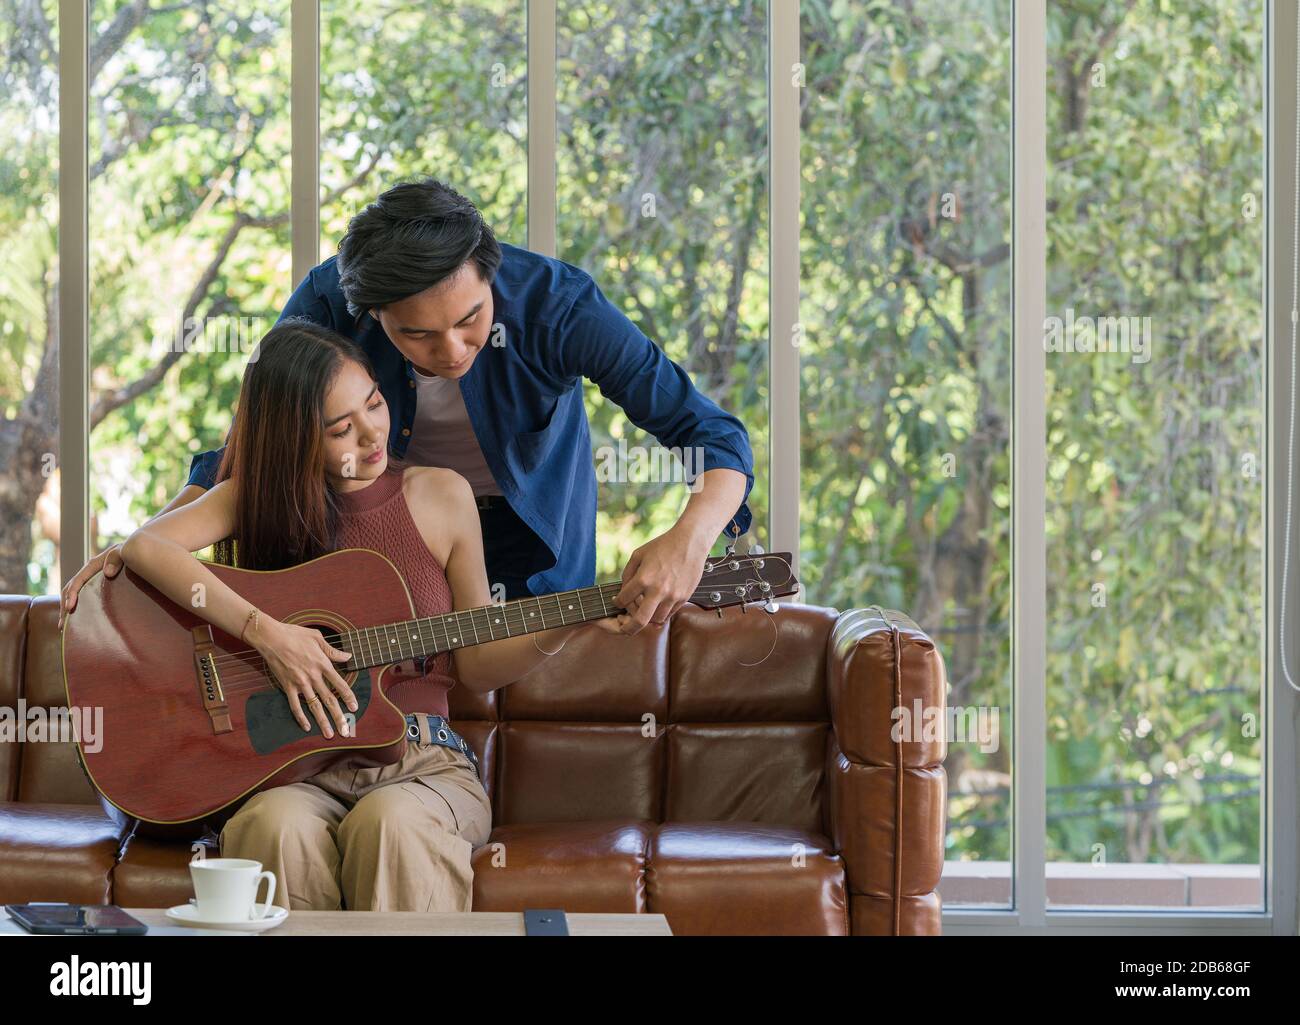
175, 746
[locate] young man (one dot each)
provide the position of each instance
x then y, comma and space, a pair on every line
481, 351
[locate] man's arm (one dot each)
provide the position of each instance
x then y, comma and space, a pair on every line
596, 340
593, 338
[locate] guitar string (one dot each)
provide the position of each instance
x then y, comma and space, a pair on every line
252, 674
235, 655
453, 623
254, 668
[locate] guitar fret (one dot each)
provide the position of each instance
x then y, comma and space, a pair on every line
395, 642
425, 645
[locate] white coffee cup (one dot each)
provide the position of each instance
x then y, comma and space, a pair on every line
225, 889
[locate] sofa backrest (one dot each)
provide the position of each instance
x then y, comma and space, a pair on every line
706, 719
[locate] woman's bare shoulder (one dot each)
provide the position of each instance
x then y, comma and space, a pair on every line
436, 490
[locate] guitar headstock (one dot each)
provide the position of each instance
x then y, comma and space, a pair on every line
744, 580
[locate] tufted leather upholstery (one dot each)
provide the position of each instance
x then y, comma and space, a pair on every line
735, 773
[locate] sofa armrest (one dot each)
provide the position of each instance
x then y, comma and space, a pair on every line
887, 787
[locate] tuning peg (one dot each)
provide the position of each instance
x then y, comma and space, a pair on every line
770, 606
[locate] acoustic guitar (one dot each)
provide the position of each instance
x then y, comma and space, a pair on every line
192, 720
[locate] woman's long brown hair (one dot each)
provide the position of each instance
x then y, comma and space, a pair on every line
285, 511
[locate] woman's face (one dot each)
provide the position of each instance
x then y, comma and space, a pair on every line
356, 429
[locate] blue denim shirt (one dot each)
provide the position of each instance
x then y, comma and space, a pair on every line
525, 401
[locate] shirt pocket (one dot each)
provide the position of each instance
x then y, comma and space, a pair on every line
531, 448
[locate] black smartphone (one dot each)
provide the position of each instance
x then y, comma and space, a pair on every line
52, 919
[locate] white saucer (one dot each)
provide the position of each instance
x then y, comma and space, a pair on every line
187, 914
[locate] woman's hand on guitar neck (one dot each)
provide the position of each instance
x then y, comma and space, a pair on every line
302, 665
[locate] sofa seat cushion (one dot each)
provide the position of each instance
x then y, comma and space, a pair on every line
751, 879
706, 878
56, 852
596, 866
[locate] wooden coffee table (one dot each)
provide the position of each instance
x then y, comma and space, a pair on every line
402, 923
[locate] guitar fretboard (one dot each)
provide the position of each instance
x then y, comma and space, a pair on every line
416, 638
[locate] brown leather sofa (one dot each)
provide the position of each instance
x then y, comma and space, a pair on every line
735, 773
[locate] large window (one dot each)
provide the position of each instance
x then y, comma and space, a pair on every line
916, 207
906, 356
29, 298
1155, 412
189, 234
662, 196
424, 89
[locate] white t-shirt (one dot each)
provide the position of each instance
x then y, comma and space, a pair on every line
442, 435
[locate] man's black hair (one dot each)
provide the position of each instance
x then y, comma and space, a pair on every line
414, 236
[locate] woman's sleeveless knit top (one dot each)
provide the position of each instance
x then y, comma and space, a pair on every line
378, 517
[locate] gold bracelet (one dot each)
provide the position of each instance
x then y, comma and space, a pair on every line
545, 652
252, 618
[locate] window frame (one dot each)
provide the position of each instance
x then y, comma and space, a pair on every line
1029, 912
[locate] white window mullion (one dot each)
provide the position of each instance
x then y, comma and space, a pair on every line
541, 128
1279, 806
783, 34
304, 115
74, 289
1029, 460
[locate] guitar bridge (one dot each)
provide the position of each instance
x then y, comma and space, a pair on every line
209, 680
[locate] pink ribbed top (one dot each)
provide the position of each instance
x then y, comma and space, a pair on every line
378, 517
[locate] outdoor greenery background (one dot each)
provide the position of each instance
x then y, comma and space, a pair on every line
905, 314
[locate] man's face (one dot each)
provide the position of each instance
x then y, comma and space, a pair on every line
442, 329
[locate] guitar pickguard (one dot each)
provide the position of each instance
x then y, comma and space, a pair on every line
271, 725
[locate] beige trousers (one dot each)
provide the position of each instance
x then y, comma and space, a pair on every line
390, 838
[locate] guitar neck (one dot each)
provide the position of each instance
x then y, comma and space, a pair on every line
416, 638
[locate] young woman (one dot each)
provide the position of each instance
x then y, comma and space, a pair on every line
306, 472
